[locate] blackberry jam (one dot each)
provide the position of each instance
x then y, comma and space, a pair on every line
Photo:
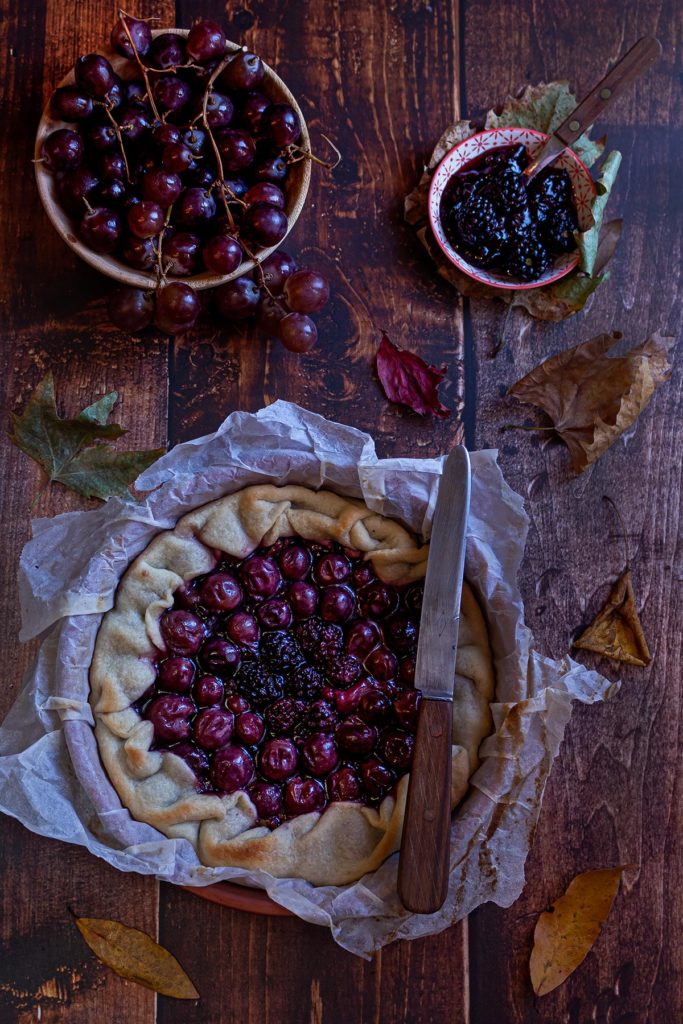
494, 221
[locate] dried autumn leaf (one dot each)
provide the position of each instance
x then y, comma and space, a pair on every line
616, 631
544, 107
565, 934
407, 379
591, 397
71, 450
136, 957
588, 241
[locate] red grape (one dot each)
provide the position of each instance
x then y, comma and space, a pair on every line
162, 187
222, 254
276, 269
265, 224
282, 123
131, 309
100, 229
63, 150
206, 41
94, 75
140, 33
195, 207
180, 253
245, 71
306, 291
237, 149
177, 308
253, 109
145, 219
168, 50
298, 333
69, 104
237, 300
265, 192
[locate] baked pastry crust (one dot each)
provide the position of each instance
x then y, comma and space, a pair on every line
346, 840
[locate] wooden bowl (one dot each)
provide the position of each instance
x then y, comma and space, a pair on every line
583, 188
295, 187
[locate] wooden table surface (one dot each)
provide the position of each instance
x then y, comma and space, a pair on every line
382, 79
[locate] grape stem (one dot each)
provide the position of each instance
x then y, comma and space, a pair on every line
216, 152
119, 136
161, 273
143, 69
296, 153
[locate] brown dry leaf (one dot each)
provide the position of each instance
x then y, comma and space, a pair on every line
593, 398
136, 957
565, 934
616, 631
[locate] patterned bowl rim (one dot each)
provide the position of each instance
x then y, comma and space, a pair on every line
434, 210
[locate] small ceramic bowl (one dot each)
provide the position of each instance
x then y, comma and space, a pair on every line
470, 149
295, 187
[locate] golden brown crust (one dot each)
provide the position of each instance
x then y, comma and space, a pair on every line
347, 840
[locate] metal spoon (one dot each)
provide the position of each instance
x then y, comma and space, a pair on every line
637, 60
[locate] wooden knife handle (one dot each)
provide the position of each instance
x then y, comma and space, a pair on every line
425, 846
637, 60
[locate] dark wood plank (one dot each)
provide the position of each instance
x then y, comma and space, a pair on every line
360, 72
371, 77
54, 319
613, 796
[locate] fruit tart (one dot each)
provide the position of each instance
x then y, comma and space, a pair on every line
253, 684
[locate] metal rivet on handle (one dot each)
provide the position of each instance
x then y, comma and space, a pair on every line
574, 126
429, 815
605, 94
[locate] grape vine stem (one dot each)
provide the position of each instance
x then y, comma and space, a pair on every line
143, 69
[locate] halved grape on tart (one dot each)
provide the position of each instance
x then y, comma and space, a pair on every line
253, 685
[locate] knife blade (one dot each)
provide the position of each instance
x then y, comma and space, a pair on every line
424, 859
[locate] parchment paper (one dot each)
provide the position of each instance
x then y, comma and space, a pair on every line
50, 774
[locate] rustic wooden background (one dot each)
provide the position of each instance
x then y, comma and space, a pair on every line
382, 79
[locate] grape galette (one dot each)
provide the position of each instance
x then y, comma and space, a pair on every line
253, 685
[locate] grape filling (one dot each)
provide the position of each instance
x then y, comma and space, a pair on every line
303, 700
495, 222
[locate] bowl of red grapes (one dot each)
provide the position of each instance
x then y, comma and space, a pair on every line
498, 227
176, 154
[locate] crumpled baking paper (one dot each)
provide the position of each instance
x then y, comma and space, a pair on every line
51, 778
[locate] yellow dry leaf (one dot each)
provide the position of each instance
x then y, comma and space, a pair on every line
136, 957
593, 398
565, 934
616, 631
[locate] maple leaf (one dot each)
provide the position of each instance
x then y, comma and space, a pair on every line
592, 397
408, 380
566, 933
136, 957
74, 451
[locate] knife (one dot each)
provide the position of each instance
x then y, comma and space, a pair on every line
637, 60
425, 844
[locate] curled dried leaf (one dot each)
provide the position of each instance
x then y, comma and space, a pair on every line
566, 933
408, 380
616, 631
593, 398
136, 957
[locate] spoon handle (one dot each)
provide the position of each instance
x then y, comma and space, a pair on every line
637, 60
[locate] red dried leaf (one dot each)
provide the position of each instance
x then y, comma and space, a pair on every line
407, 379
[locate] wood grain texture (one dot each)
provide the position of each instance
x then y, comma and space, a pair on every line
54, 319
614, 795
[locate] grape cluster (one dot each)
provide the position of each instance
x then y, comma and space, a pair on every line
181, 167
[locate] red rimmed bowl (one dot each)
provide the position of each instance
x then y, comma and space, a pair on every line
583, 189
295, 186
